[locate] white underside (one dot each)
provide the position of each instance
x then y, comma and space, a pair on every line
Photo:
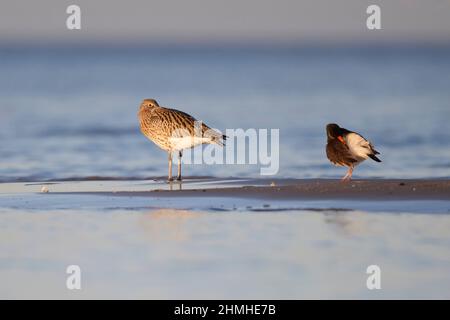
359, 147
187, 142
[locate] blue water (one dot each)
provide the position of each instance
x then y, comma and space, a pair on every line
71, 112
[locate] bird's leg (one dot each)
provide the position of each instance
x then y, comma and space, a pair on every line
351, 173
180, 154
170, 167
344, 178
348, 176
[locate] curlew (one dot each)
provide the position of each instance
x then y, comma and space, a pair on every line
173, 131
348, 148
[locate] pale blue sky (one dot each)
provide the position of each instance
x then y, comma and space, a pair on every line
224, 20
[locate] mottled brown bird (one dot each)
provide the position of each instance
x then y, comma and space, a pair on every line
348, 148
173, 130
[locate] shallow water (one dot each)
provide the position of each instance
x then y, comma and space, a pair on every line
71, 112
183, 254
216, 247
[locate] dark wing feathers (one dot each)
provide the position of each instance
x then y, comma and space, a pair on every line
338, 153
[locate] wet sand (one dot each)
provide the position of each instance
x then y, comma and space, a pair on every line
285, 189
231, 194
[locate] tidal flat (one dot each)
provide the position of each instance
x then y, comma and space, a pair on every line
225, 238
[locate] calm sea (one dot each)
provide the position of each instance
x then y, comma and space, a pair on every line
71, 112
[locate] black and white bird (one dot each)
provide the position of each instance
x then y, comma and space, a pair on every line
348, 148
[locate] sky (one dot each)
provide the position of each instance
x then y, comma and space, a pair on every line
191, 21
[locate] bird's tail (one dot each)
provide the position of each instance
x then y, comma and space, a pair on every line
219, 140
374, 157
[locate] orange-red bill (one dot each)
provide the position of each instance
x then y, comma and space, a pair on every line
341, 139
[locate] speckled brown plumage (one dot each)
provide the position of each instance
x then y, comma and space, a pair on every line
159, 124
174, 130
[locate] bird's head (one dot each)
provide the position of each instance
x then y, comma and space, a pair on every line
149, 103
333, 131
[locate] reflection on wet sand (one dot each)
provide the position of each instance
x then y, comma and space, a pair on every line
182, 254
167, 224
175, 185
347, 223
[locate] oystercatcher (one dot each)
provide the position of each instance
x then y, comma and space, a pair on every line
348, 148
